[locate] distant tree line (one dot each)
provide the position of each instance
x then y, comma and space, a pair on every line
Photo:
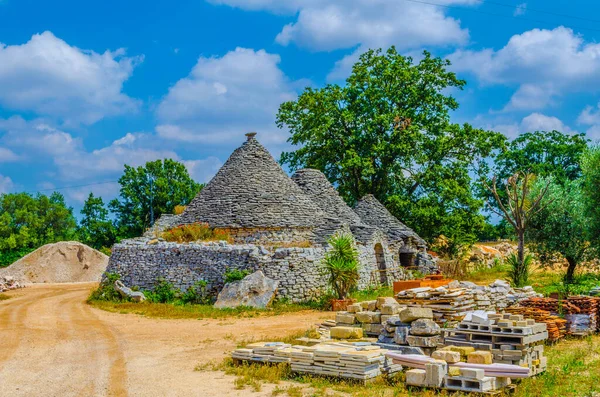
30, 221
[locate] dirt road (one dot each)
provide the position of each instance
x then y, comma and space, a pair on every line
53, 344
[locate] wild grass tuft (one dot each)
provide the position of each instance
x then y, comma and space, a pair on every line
195, 232
4, 297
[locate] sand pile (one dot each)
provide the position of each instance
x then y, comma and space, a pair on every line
64, 262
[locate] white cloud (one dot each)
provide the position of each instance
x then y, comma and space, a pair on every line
7, 155
591, 116
52, 78
6, 184
532, 122
222, 98
520, 9
543, 64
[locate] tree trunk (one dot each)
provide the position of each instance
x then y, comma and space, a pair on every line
570, 269
521, 247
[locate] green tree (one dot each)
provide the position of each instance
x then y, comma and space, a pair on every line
562, 226
28, 222
543, 153
95, 228
387, 131
590, 164
150, 191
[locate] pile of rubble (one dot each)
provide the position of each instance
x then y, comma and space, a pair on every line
8, 283
509, 338
362, 361
452, 302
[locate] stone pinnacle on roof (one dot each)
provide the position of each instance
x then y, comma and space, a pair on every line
252, 190
316, 186
373, 213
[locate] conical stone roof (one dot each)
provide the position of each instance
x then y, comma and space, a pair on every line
316, 186
252, 190
373, 213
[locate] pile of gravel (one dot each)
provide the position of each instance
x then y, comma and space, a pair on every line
64, 262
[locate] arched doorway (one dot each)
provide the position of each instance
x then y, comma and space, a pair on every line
380, 258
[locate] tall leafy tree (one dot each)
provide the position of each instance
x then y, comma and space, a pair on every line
28, 222
563, 225
590, 164
150, 191
387, 131
96, 229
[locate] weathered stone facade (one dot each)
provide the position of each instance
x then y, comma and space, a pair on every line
261, 208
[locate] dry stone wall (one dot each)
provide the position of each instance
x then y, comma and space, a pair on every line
140, 264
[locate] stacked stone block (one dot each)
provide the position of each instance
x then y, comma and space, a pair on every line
507, 339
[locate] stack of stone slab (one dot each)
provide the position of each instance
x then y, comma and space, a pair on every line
510, 339
354, 361
445, 370
452, 302
369, 315
265, 352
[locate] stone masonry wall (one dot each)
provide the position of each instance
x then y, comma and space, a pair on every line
270, 236
142, 265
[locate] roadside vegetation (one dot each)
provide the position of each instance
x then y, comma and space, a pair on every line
4, 297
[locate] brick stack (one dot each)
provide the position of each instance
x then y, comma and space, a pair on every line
581, 312
555, 325
511, 339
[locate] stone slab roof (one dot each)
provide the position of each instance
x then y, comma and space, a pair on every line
316, 186
373, 213
252, 190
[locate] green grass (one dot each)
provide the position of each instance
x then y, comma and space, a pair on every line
371, 293
4, 297
169, 310
573, 371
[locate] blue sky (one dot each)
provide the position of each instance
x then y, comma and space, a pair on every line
86, 87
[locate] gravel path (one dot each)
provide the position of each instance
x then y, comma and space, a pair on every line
53, 344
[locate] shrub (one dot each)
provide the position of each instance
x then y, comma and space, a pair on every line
341, 264
519, 272
232, 275
178, 210
195, 232
163, 292
106, 291
105, 250
196, 294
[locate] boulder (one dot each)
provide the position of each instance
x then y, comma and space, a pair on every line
255, 290
424, 327
127, 292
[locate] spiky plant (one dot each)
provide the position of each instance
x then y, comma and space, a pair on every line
519, 271
341, 264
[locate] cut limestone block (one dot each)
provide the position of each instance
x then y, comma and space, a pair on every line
415, 377
346, 332
479, 357
345, 318
390, 309
435, 373
372, 328
369, 317
462, 350
385, 317
411, 314
474, 373
453, 371
424, 327
448, 356
424, 341
355, 308
386, 300
400, 335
